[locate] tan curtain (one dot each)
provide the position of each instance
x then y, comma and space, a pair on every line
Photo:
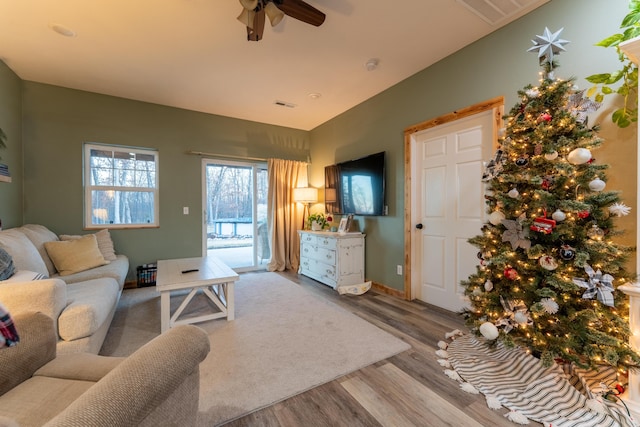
284, 215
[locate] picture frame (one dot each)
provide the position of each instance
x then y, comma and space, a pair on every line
344, 225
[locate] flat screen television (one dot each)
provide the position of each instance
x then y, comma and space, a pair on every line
356, 186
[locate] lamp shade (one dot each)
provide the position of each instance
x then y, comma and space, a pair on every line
330, 195
305, 195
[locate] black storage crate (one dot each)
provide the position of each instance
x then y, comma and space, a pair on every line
147, 275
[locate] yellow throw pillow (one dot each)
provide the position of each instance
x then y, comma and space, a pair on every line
77, 255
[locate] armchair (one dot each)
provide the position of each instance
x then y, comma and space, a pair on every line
156, 385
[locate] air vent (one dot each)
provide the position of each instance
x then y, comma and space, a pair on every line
284, 104
494, 11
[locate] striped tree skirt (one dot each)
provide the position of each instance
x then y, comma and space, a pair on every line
509, 377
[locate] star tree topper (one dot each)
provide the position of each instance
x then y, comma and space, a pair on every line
547, 45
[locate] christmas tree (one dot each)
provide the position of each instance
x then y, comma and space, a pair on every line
548, 268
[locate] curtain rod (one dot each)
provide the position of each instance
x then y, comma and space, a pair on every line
230, 156
226, 156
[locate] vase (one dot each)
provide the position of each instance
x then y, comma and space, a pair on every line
315, 226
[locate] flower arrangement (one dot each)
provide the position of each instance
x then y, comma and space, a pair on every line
319, 218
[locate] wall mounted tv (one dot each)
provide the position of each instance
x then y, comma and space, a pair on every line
356, 186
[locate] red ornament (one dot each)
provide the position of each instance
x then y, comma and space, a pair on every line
620, 388
544, 117
583, 214
510, 273
543, 225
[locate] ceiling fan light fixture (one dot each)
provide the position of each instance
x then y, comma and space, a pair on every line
249, 4
246, 17
274, 14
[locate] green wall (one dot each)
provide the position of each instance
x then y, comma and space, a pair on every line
11, 124
498, 64
57, 121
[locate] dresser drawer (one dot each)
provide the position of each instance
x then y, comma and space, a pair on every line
323, 270
326, 242
308, 238
325, 256
308, 250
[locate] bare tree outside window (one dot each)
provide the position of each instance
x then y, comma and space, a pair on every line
121, 187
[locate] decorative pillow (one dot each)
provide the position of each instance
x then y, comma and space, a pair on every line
73, 256
24, 253
105, 244
38, 234
25, 276
8, 333
7, 269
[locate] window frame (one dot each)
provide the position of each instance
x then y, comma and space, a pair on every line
89, 188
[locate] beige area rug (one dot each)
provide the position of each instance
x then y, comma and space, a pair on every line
284, 340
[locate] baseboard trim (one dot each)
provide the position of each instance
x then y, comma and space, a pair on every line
383, 289
130, 284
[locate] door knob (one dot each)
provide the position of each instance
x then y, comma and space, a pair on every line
419, 226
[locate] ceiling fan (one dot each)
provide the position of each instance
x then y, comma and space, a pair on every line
254, 11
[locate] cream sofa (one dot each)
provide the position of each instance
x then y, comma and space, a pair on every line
158, 385
82, 303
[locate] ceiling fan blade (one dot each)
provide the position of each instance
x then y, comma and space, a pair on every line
255, 33
302, 11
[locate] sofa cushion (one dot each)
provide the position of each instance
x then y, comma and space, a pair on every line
24, 253
89, 305
7, 269
77, 255
79, 366
105, 244
117, 270
39, 234
39, 399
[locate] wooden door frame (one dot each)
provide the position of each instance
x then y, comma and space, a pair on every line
497, 106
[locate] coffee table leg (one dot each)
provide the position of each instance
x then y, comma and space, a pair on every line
164, 311
230, 306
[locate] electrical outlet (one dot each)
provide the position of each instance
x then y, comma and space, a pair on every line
185, 210
399, 270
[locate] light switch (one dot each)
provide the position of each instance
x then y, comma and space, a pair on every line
185, 210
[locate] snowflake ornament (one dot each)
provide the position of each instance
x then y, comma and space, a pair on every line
547, 45
549, 305
619, 209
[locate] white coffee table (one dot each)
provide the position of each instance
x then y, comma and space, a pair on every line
208, 274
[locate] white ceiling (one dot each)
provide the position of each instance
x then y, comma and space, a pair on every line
194, 54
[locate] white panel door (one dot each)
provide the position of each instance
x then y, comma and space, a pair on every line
449, 204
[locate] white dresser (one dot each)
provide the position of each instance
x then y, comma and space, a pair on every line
332, 258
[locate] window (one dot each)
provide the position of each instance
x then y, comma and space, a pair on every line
120, 187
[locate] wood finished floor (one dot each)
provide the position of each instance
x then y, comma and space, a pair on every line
408, 389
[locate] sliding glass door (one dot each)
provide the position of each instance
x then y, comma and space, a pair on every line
235, 213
